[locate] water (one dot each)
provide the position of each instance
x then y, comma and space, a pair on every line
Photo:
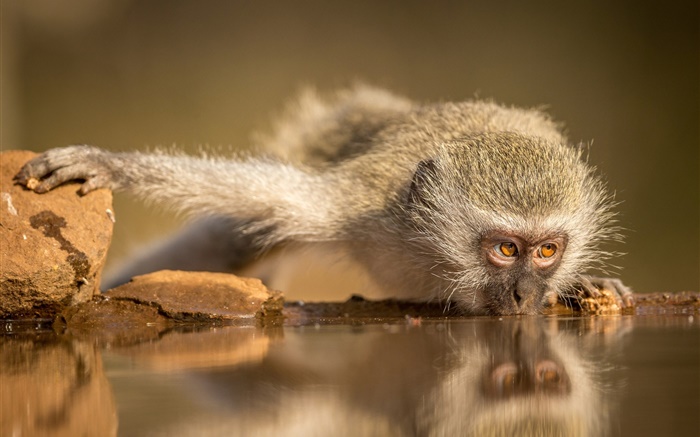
617, 375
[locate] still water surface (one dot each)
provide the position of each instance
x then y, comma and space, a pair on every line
617, 375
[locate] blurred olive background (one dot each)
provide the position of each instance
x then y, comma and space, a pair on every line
126, 74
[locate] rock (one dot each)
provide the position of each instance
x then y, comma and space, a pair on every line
52, 246
201, 296
112, 322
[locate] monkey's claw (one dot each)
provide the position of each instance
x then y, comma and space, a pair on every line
594, 293
58, 166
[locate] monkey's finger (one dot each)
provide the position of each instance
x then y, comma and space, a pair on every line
58, 177
34, 169
623, 294
589, 290
628, 299
94, 183
607, 284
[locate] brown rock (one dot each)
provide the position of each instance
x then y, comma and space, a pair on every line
52, 246
201, 296
113, 322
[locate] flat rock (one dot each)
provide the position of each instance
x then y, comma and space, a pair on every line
112, 322
52, 246
201, 296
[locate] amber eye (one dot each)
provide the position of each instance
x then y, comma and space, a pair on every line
506, 249
547, 250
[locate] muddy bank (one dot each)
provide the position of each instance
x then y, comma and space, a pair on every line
128, 319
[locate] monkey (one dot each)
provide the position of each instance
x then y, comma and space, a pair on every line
477, 204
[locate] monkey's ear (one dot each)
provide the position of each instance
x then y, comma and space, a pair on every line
423, 178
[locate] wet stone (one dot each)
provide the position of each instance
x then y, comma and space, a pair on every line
112, 322
52, 246
201, 296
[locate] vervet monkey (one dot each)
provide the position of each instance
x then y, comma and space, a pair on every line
472, 203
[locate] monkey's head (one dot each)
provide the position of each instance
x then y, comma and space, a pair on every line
509, 220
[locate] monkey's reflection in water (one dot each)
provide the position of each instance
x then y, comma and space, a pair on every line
522, 379
477, 377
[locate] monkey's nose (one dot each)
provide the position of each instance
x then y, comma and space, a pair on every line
521, 296
524, 292
517, 297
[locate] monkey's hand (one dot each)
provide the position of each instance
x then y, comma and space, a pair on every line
57, 166
595, 294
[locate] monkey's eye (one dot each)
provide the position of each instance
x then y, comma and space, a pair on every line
547, 250
506, 249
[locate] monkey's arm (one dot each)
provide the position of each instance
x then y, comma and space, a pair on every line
293, 203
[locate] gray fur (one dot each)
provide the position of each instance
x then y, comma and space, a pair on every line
409, 190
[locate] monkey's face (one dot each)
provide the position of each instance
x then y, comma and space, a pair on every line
493, 215
492, 262
519, 271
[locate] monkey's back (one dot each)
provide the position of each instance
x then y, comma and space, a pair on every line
321, 131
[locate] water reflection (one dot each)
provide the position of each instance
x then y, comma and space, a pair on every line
521, 378
53, 386
510, 377
530, 376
